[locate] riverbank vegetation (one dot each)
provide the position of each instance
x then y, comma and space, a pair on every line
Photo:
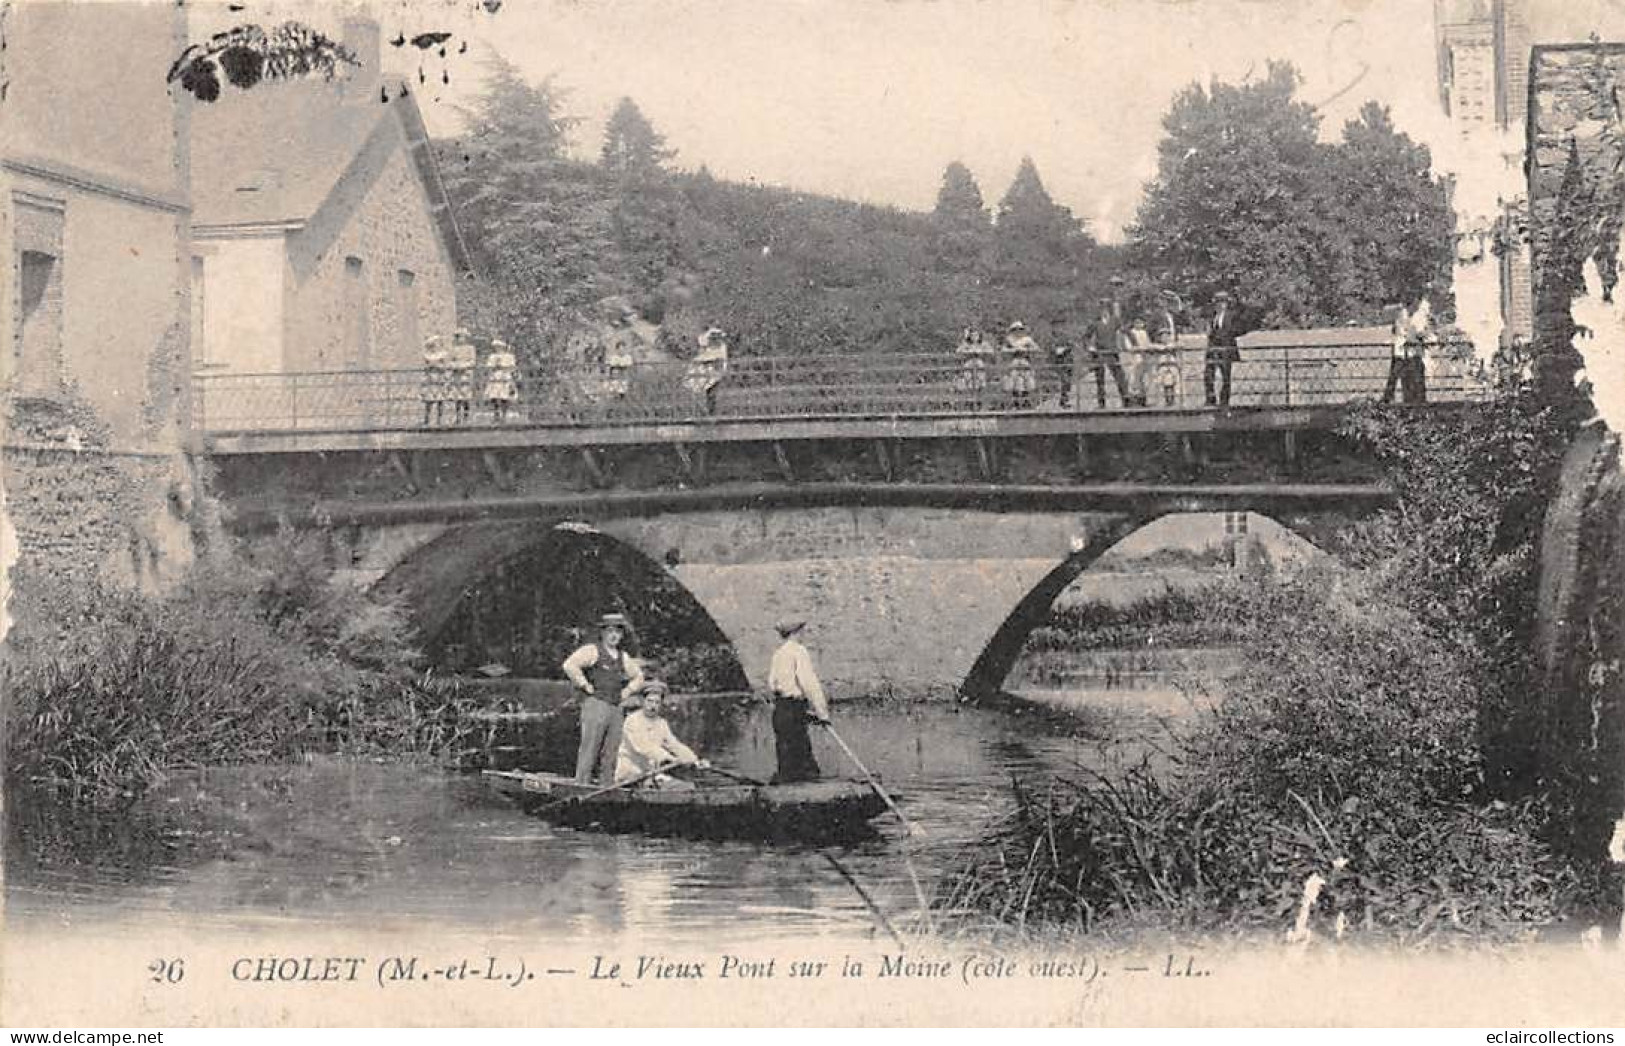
1369, 770
110, 692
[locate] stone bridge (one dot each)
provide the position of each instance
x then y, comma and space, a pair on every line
922, 549
932, 587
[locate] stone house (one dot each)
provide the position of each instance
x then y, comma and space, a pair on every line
322, 236
94, 214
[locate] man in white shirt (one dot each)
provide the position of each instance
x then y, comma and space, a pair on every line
798, 698
647, 742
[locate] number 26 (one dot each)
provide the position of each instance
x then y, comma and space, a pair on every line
167, 971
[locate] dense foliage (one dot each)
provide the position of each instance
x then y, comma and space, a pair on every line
110, 691
1378, 734
1248, 200
1346, 749
536, 608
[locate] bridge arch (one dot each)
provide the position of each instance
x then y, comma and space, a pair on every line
522, 592
1005, 646
927, 594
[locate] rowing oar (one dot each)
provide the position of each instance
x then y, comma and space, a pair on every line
913, 829
605, 791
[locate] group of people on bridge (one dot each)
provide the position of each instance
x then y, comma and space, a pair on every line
625, 737
449, 374
1139, 354
1141, 357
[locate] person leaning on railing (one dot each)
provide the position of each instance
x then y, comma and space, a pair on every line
973, 351
1106, 338
1166, 336
1407, 367
705, 370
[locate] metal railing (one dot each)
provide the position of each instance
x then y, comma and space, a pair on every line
846, 386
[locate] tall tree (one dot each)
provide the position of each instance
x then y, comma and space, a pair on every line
1041, 255
961, 222
1248, 200
537, 223
648, 208
1233, 206
1399, 220
633, 149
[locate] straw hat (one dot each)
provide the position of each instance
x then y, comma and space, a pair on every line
789, 626
614, 621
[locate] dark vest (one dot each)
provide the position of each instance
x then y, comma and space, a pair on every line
608, 675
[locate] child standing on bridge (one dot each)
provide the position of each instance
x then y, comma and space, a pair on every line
432, 389
1019, 380
501, 380
460, 375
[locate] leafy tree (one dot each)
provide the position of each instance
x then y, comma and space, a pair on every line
1233, 205
633, 150
537, 222
1248, 200
1397, 215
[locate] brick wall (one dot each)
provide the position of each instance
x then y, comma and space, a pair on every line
381, 218
1574, 117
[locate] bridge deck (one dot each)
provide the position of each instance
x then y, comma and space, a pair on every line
765, 430
794, 398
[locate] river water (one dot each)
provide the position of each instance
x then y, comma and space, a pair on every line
340, 844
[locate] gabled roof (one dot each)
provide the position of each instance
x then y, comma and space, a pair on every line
273, 155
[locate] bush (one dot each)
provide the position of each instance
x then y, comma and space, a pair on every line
109, 691
1131, 850
1346, 748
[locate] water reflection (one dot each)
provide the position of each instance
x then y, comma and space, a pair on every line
376, 846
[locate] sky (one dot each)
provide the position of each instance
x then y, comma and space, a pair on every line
871, 99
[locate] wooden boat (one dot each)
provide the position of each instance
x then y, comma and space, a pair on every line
730, 808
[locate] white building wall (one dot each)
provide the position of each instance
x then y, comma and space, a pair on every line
243, 302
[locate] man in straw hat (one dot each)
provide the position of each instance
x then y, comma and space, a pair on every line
609, 680
798, 698
647, 743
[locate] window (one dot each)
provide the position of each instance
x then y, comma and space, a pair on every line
36, 335
357, 335
406, 307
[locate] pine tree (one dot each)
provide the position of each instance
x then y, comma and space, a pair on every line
537, 223
633, 150
960, 221
1039, 242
